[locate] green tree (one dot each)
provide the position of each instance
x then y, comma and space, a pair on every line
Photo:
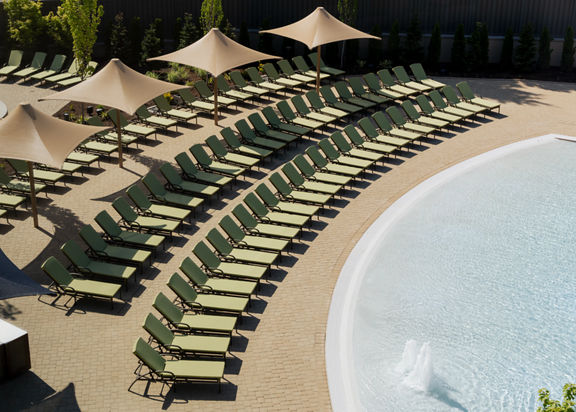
118, 42
211, 14
568, 50
189, 32
227, 28
459, 49
544, 50
568, 403
526, 49
151, 44
59, 31
265, 44
244, 36
434, 48
135, 42
348, 12
506, 56
83, 18
25, 22
478, 47
413, 48
394, 45
375, 47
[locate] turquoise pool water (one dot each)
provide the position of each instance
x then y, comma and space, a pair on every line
482, 266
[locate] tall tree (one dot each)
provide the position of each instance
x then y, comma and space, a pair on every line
506, 57
135, 41
375, 47
211, 14
544, 50
151, 44
413, 51
434, 47
394, 45
568, 50
348, 12
189, 31
25, 22
459, 49
526, 49
118, 42
265, 43
478, 47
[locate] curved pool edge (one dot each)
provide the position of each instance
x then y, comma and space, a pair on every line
338, 345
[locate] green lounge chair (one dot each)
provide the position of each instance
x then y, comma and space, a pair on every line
250, 136
427, 109
68, 168
290, 194
130, 128
453, 100
373, 136
174, 371
358, 142
289, 72
264, 215
415, 116
208, 95
335, 156
386, 127
229, 253
203, 282
323, 68
405, 80
238, 147
69, 81
304, 111
469, 96
442, 106
160, 122
206, 302
207, 163
375, 87
83, 159
277, 205
186, 345
214, 265
420, 75
225, 156
176, 182
167, 110
322, 164
308, 171
185, 322
147, 208
400, 121
224, 87
72, 71
13, 64
241, 239
125, 237
303, 68
131, 219
84, 264
359, 91
191, 172
347, 149
299, 182
192, 102
277, 124
99, 248
11, 202
317, 104
273, 74
332, 101
263, 130
240, 82
34, 67
55, 68
44, 176
64, 283
388, 82
346, 96
111, 136
289, 115
257, 79
98, 148
254, 227
17, 186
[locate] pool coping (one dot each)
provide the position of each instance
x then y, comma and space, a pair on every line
338, 344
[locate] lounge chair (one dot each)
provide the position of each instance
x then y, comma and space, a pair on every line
148, 224
254, 227
469, 96
160, 122
214, 265
174, 371
54, 69
358, 142
310, 173
288, 71
400, 121
332, 101
304, 111
160, 194
17, 186
167, 110
375, 87
346, 96
241, 239
245, 149
126, 237
191, 172
83, 159
240, 82
427, 109
147, 208
44, 176
68, 168
335, 156
208, 95
299, 182
287, 192
69, 81
206, 302
203, 282
224, 87
130, 128
347, 149
263, 130
11, 202
230, 253
94, 147
317, 105
111, 136
217, 167
386, 127
176, 182
277, 205
289, 115
34, 67
14, 62
70, 72
250, 137
323, 68
420, 75
441, 105
257, 79
405, 80
99, 248
225, 156
453, 100
359, 91
273, 74
415, 116
64, 283
277, 124
373, 136
322, 164
186, 345
305, 69
192, 102
388, 82
84, 264
264, 215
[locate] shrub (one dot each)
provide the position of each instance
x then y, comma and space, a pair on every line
413, 49
478, 47
459, 48
506, 61
544, 50
118, 41
568, 50
178, 74
526, 50
265, 44
244, 36
434, 48
151, 44
550, 405
394, 45
189, 32
375, 47
25, 22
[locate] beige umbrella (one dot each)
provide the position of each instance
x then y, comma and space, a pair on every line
118, 86
216, 54
319, 28
32, 135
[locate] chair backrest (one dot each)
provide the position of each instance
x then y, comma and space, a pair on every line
193, 272
237, 78
356, 85
170, 311
143, 112
300, 63
182, 288
186, 95
271, 71
58, 62
286, 67
342, 89
232, 229
410, 110
162, 104
121, 206
108, 225
217, 148
149, 356
223, 84
20, 166
372, 81
401, 74
326, 146
465, 90
316, 157
230, 138
92, 238
200, 155
437, 99
203, 89
15, 58
266, 195
96, 121
158, 330
305, 168
91, 68
418, 71
395, 115
56, 271
382, 121
73, 68
285, 110
271, 116
340, 142
254, 75
450, 94
206, 256
280, 184
244, 217
258, 123
170, 174
367, 127
424, 104
328, 94
300, 105
153, 184
314, 56
75, 254
255, 205
38, 60
186, 164
353, 135
4, 178
292, 174
138, 197
314, 99
386, 77
245, 131
219, 242
115, 115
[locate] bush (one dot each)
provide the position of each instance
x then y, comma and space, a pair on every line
459, 49
189, 31
26, 26
526, 50
434, 48
178, 74
550, 405
151, 44
478, 50
394, 45
506, 61
118, 41
265, 44
375, 47
413, 49
568, 50
544, 50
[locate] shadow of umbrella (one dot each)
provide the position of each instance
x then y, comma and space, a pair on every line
14, 282
65, 400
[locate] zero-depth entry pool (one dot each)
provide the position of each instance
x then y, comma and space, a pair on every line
478, 265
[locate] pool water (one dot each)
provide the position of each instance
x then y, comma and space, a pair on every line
482, 267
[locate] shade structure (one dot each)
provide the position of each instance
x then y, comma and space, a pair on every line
319, 28
32, 135
117, 86
15, 283
216, 53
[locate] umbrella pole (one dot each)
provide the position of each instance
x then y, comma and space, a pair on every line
318, 69
119, 135
215, 100
33, 193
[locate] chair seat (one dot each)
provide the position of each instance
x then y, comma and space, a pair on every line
200, 343
242, 270
275, 230
226, 303
169, 211
253, 256
231, 286
259, 242
95, 288
183, 200
195, 369
156, 224
207, 322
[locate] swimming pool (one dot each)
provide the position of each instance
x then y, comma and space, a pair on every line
479, 263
